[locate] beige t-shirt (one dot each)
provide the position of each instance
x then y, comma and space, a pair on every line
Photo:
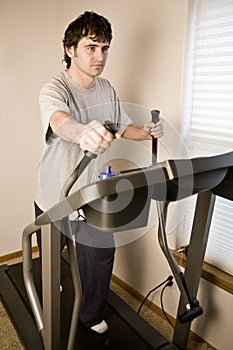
60, 157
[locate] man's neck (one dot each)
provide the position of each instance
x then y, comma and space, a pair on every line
83, 81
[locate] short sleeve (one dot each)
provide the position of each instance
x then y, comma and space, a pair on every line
51, 99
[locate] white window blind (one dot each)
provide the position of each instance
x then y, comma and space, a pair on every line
208, 110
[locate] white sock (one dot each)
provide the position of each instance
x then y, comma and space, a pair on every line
100, 327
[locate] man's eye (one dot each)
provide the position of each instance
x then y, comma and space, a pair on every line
91, 48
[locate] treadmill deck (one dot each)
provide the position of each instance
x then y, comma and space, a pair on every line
127, 330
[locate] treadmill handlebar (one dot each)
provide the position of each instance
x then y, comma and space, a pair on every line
112, 128
87, 158
154, 118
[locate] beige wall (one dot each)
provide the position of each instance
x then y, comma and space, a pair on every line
145, 66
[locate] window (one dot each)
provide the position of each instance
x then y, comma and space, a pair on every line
208, 110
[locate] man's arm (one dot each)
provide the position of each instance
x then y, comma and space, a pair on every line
92, 137
150, 129
66, 127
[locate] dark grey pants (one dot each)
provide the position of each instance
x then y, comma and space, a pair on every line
95, 254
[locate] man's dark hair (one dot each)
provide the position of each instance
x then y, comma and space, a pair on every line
88, 24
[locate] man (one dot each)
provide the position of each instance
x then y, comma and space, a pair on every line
73, 108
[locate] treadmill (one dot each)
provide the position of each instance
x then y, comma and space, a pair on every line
46, 319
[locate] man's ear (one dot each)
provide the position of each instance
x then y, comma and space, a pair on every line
70, 51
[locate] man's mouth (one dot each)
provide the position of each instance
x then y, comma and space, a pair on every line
98, 65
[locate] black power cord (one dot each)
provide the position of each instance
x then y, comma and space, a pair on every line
168, 282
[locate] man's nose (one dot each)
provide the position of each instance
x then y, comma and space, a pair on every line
100, 55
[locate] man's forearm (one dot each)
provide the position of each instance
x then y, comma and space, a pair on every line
65, 127
92, 137
136, 133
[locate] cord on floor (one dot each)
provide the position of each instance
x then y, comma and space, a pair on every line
168, 282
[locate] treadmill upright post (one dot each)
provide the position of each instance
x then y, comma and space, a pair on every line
51, 286
71, 246
196, 252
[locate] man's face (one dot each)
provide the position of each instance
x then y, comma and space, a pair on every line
89, 57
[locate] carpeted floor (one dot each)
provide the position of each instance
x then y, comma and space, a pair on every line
9, 339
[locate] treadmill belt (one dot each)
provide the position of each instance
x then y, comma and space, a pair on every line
122, 334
